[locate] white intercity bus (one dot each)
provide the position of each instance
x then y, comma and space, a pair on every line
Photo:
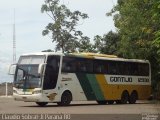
49, 77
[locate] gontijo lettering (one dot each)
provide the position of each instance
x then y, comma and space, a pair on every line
120, 79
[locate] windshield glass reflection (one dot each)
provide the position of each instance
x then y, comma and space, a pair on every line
27, 77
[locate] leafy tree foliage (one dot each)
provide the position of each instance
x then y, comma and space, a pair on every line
108, 44
155, 17
63, 26
85, 45
135, 27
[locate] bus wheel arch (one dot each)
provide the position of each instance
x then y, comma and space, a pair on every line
124, 97
66, 98
133, 97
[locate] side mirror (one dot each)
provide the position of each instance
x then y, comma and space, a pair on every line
12, 69
41, 68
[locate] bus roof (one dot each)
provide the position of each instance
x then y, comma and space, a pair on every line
88, 55
42, 53
95, 55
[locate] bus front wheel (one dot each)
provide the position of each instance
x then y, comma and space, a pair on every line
42, 104
66, 99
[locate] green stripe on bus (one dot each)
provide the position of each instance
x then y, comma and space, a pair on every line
86, 86
95, 87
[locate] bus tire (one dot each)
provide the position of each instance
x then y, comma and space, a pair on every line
124, 97
110, 102
66, 99
42, 104
103, 102
133, 97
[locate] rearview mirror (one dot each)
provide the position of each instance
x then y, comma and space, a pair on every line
41, 68
12, 69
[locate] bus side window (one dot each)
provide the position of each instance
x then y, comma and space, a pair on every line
143, 69
69, 64
99, 69
99, 66
96, 66
127, 68
122, 68
135, 69
89, 66
66, 67
112, 67
81, 66
84, 65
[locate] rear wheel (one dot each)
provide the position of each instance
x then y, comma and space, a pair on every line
66, 99
133, 97
102, 102
124, 97
42, 104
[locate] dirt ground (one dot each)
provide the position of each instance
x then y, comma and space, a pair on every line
83, 110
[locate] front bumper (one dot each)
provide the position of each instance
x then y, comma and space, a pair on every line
30, 98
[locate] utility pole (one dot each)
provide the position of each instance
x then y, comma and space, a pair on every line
14, 46
14, 40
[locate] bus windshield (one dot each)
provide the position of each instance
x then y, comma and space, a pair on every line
27, 77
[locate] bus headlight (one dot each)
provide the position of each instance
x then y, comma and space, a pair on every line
37, 92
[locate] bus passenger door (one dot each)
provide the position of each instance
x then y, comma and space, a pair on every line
51, 72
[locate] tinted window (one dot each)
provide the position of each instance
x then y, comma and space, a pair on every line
121, 68
85, 65
112, 67
143, 69
69, 64
100, 66
72, 64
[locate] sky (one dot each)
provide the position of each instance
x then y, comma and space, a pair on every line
30, 23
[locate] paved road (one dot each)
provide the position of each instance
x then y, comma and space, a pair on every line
88, 109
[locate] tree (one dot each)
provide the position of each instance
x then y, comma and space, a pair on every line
135, 27
108, 44
85, 45
156, 43
63, 25
155, 18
